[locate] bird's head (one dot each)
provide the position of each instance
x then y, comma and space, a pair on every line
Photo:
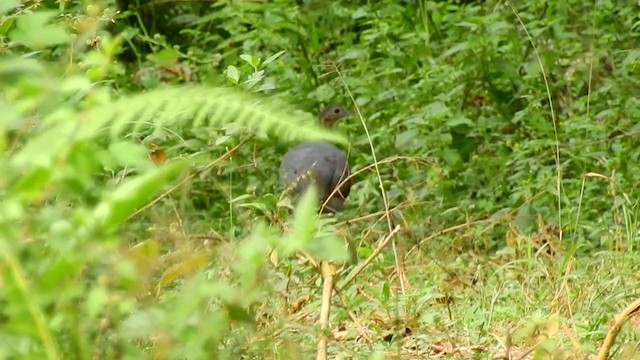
332, 113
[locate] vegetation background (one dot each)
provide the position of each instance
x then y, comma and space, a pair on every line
140, 204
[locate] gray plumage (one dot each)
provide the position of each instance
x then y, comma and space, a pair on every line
320, 163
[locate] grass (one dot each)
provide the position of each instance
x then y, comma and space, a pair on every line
498, 142
529, 299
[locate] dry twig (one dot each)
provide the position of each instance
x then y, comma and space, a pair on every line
618, 321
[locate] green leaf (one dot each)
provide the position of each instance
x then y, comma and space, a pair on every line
251, 256
148, 248
254, 79
15, 67
222, 139
142, 323
272, 58
6, 25
407, 139
76, 83
631, 58
532, 68
55, 140
460, 120
126, 153
329, 248
452, 157
164, 57
232, 73
437, 110
385, 291
10, 118
322, 93
33, 31
305, 222
455, 49
238, 313
8, 5
133, 193
97, 299
182, 268
253, 61
354, 53
31, 184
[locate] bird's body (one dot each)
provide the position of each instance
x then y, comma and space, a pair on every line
319, 163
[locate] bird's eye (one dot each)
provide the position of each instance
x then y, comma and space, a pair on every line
336, 111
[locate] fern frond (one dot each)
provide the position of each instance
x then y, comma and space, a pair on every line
169, 107
215, 106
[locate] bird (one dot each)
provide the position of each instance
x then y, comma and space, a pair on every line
320, 163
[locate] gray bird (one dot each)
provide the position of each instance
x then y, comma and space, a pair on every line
320, 163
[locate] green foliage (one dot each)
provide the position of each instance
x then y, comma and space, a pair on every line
140, 166
68, 280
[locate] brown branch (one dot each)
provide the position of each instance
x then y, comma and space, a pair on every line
329, 270
373, 255
615, 328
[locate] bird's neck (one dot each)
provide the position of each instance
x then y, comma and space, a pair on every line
326, 123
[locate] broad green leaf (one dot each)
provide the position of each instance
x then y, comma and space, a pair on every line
305, 222
75, 84
232, 74
407, 139
33, 31
8, 5
328, 248
128, 154
498, 27
354, 53
437, 110
82, 164
96, 301
532, 68
10, 118
631, 58
31, 185
142, 323
61, 270
12, 209
251, 256
253, 61
222, 139
133, 193
6, 25
451, 156
322, 93
164, 57
254, 79
460, 120
55, 140
13, 67
361, 12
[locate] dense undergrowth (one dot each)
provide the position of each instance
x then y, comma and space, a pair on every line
141, 215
